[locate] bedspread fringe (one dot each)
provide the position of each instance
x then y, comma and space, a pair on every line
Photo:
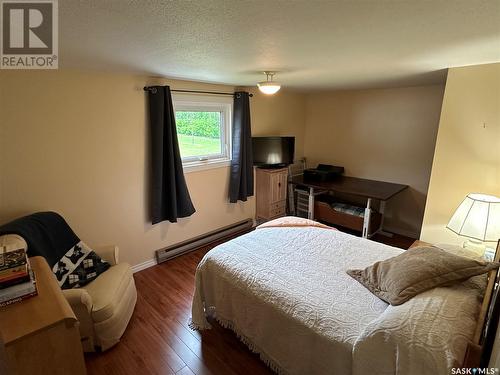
198, 327
255, 349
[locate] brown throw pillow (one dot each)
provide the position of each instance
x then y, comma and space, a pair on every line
402, 277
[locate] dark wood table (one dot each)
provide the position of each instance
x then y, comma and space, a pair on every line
369, 189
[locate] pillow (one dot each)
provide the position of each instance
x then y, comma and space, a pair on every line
396, 280
428, 334
478, 282
459, 250
79, 266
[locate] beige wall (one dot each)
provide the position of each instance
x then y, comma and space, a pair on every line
280, 114
75, 142
467, 156
382, 134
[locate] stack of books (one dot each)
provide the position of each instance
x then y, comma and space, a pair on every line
17, 280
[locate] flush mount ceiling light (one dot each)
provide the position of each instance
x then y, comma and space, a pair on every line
269, 87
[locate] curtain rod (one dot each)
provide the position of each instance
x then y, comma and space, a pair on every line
147, 88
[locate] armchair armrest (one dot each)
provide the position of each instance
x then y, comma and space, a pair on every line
109, 253
79, 300
81, 304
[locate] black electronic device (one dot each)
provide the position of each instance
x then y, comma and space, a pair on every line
322, 173
273, 152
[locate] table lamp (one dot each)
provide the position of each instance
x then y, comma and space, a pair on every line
478, 219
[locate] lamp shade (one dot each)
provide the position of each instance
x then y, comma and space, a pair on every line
478, 217
269, 88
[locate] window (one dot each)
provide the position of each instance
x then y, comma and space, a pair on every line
203, 129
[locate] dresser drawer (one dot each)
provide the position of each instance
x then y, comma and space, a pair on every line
277, 205
280, 211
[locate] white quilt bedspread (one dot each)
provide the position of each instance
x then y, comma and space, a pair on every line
426, 335
286, 294
285, 291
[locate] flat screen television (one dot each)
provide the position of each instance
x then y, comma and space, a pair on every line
273, 152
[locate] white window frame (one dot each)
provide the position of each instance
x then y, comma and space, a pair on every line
224, 105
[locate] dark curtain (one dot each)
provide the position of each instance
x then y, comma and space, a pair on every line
170, 198
241, 180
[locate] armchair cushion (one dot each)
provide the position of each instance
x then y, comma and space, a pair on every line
79, 266
107, 291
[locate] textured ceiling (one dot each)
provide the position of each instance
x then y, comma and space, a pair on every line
313, 44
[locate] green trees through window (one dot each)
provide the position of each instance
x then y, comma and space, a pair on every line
201, 124
199, 133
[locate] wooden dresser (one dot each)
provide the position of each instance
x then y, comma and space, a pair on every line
40, 335
271, 190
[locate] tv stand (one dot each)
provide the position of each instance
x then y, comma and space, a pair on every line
271, 186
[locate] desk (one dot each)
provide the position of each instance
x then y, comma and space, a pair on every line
369, 189
40, 335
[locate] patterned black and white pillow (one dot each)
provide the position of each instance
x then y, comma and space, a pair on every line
79, 266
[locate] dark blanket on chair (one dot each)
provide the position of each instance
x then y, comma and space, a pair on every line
47, 234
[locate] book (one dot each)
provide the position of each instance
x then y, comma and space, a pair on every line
19, 290
14, 281
12, 258
13, 275
17, 269
19, 299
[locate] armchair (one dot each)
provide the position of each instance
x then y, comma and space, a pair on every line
104, 306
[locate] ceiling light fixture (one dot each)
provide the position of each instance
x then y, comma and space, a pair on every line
269, 87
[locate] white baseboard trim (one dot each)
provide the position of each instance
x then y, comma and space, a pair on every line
144, 265
175, 250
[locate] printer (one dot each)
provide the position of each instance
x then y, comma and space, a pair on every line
322, 173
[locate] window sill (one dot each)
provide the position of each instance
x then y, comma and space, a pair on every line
197, 166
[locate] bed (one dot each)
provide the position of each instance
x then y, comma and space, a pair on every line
284, 290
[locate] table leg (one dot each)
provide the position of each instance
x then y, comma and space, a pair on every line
380, 229
310, 211
291, 200
366, 221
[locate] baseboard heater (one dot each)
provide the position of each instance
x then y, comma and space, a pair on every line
184, 247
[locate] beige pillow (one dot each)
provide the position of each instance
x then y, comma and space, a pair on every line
478, 282
402, 277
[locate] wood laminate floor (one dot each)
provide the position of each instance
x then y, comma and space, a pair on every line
158, 339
